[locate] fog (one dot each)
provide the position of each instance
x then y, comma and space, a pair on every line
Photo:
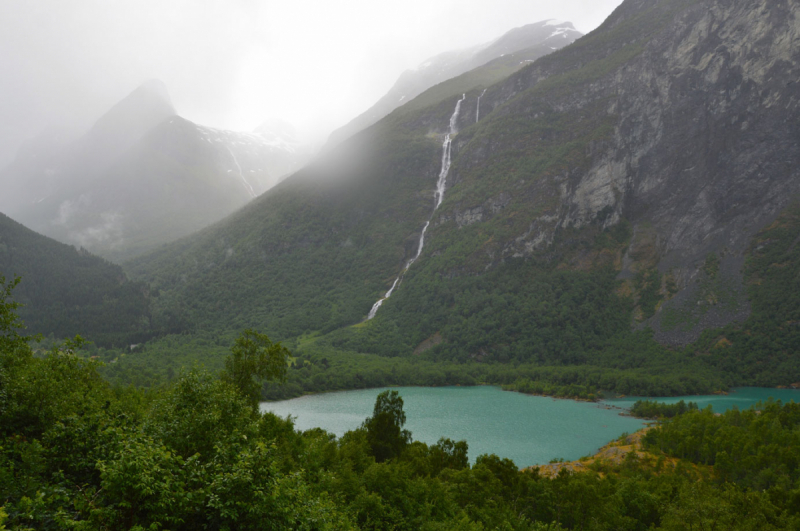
236, 63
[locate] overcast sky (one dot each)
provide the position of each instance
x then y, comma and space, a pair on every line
235, 63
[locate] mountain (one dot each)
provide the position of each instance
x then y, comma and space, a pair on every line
613, 201
143, 176
510, 52
66, 291
290, 150
127, 122
52, 164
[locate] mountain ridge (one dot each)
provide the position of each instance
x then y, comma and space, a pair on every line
66, 291
135, 181
530, 42
613, 182
555, 176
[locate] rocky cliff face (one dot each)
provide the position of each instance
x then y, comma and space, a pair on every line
683, 117
652, 149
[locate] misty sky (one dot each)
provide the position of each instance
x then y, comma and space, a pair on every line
235, 63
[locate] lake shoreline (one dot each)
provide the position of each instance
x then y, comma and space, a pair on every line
603, 400
526, 428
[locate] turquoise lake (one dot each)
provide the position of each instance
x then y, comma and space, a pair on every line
742, 397
527, 429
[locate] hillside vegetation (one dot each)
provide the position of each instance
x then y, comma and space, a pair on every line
65, 291
570, 228
315, 253
77, 453
578, 248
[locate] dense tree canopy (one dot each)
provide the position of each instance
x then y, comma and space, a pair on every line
67, 291
254, 358
76, 453
384, 428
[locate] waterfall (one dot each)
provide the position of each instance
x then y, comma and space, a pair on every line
241, 175
377, 305
478, 109
438, 197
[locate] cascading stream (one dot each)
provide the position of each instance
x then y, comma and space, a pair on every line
478, 108
241, 174
438, 198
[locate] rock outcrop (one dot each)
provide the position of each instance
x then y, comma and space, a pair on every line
687, 114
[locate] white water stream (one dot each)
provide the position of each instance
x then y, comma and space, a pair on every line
478, 109
438, 197
241, 174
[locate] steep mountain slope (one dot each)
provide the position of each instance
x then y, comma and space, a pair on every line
179, 178
125, 123
51, 166
690, 134
511, 52
618, 180
349, 212
143, 176
66, 291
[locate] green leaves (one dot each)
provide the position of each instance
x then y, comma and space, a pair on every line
40, 391
254, 358
200, 414
144, 482
385, 432
10, 323
756, 448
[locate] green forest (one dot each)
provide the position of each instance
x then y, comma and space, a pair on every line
67, 291
560, 262
305, 262
527, 326
79, 453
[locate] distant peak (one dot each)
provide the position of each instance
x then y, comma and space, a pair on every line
157, 88
277, 128
150, 102
152, 91
133, 116
553, 23
556, 22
